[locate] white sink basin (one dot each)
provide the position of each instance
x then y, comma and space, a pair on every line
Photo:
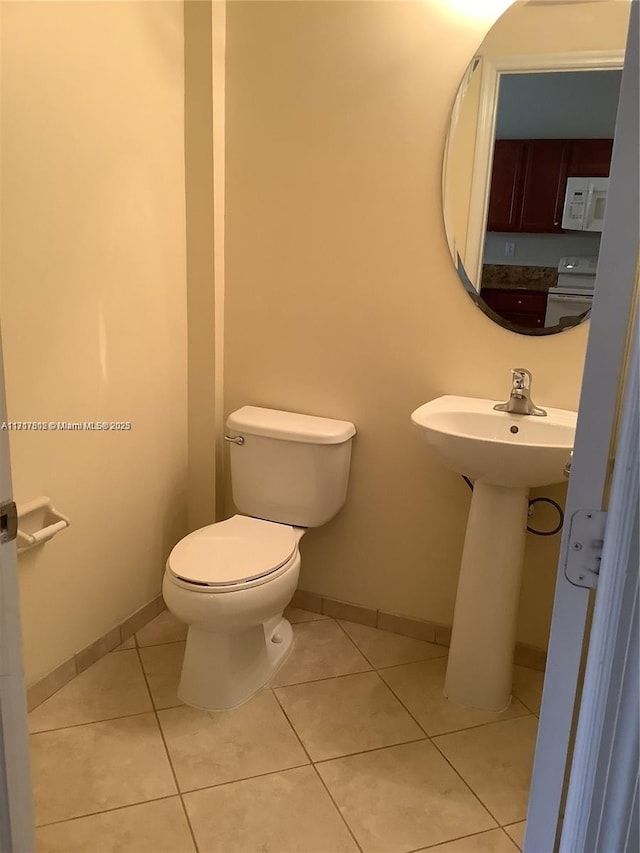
500, 448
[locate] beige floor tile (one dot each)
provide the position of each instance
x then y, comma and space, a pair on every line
527, 687
296, 614
157, 827
288, 812
419, 687
99, 766
165, 628
516, 831
382, 648
112, 687
344, 715
496, 762
128, 644
403, 798
321, 650
494, 841
162, 666
208, 748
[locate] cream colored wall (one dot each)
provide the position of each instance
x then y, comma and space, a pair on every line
559, 29
341, 299
94, 304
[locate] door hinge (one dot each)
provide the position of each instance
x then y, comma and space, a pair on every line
8, 522
584, 552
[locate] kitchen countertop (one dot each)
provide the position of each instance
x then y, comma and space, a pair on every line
519, 277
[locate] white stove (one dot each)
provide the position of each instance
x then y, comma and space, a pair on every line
573, 294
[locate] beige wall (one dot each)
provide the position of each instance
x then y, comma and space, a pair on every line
341, 296
94, 303
558, 29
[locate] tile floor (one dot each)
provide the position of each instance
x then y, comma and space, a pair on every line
352, 748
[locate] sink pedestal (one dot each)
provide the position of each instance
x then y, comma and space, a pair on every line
479, 670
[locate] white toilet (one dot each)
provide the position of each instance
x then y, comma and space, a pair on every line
230, 581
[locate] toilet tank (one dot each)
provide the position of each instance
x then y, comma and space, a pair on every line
290, 468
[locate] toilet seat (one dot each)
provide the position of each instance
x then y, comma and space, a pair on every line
238, 551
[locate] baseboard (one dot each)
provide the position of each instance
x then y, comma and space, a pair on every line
77, 663
419, 629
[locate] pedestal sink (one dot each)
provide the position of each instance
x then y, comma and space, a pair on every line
505, 454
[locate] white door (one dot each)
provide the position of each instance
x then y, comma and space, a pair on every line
16, 818
604, 368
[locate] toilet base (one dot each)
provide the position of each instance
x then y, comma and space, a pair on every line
222, 671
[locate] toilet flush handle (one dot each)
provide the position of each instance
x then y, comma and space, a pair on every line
236, 439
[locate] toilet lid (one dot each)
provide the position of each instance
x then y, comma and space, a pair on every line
232, 551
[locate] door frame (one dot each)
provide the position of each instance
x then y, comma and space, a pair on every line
604, 774
601, 393
492, 67
16, 810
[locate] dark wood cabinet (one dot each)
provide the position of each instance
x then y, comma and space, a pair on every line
590, 157
525, 308
529, 180
545, 184
505, 197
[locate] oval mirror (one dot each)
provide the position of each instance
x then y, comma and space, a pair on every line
527, 161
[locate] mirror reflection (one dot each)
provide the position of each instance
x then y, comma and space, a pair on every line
528, 159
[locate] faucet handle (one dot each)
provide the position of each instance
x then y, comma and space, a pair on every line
521, 378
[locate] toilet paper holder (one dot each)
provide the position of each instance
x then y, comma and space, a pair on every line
38, 522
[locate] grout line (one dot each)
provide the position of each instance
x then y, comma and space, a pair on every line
524, 704
324, 678
337, 807
420, 660
322, 782
464, 728
476, 726
392, 665
156, 645
353, 643
504, 829
462, 838
467, 785
245, 778
293, 728
93, 722
105, 811
430, 739
396, 695
166, 748
512, 840
372, 749
528, 713
407, 709
482, 726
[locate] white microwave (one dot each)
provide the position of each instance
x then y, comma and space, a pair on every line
585, 203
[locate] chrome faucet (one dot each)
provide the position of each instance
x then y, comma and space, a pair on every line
520, 402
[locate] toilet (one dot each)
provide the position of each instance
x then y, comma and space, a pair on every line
230, 582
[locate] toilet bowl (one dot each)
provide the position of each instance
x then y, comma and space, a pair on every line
230, 582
